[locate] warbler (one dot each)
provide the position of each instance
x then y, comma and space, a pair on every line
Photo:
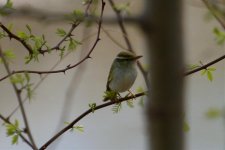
122, 74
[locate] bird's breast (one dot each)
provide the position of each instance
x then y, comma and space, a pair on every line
123, 79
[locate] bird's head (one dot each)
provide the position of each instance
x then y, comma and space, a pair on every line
127, 56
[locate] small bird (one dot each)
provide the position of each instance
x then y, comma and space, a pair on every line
123, 73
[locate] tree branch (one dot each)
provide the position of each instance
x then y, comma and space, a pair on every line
13, 36
205, 66
85, 114
68, 66
18, 95
54, 17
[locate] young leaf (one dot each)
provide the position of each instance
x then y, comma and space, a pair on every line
213, 113
28, 28
186, 126
15, 139
10, 26
23, 35
141, 102
110, 95
72, 44
92, 106
209, 75
79, 128
61, 32
117, 107
130, 103
203, 72
211, 69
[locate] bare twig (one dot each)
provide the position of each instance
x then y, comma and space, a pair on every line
68, 127
6, 120
18, 94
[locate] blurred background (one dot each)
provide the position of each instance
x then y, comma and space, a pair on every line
86, 84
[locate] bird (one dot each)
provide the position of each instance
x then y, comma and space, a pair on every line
122, 74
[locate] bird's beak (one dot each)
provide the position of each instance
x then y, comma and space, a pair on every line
137, 57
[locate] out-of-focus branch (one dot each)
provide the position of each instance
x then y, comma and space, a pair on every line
214, 13
18, 95
54, 17
70, 126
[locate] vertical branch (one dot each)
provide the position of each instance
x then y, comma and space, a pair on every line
18, 95
164, 39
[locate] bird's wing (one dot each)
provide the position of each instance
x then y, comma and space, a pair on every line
108, 81
110, 77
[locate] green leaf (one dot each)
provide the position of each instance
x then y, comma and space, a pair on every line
209, 75
141, 102
194, 66
110, 95
124, 7
75, 16
23, 35
15, 139
186, 126
4, 10
8, 55
213, 113
28, 28
79, 128
29, 91
17, 79
16, 123
211, 69
92, 106
61, 32
139, 89
10, 26
117, 107
9, 4
203, 72
220, 36
130, 103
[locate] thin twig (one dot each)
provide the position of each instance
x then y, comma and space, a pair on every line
6, 120
13, 36
69, 34
18, 94
205, 66
68, 127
